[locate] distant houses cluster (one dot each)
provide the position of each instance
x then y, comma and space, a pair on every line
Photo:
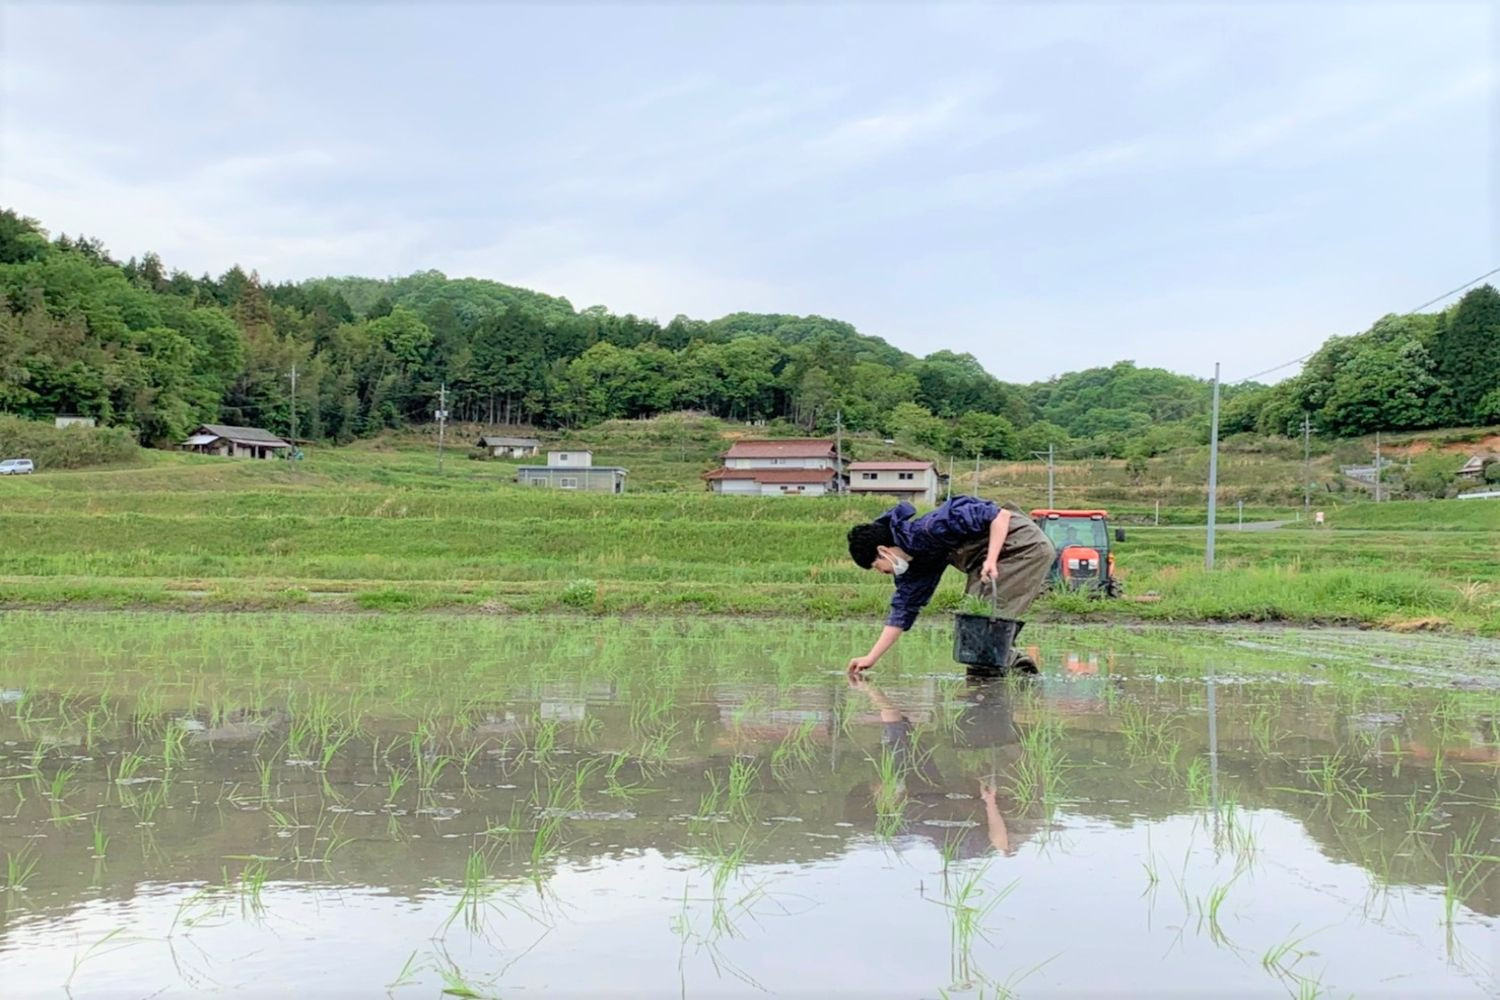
814, 467
751, 467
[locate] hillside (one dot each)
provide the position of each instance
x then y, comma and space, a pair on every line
139, 346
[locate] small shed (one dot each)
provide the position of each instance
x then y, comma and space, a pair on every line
234, 442
509, 447
1474, 467
62, 420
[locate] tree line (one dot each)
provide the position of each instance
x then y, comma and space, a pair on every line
157, 350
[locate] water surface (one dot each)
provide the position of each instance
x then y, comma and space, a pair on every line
354, 806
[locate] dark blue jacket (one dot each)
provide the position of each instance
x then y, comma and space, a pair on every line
929, 540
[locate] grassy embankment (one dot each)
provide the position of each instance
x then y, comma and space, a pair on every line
374, 527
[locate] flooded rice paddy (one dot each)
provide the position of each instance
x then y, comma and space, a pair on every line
257, 804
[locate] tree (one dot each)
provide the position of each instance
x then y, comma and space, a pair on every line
984, 434
1431, 473
1380, 388
21, 238
1466, 352
912, 424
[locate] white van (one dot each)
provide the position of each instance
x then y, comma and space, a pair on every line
17, 467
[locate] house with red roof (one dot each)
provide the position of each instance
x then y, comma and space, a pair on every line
919, 482
778, 467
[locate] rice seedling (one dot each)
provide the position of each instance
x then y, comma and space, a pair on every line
889, 792
20, 866
742, 774
1463, 872
92, 951
101, 840
173, 740
1145, 736
1038, 773
795, 751
969, 902
394, 781
128, 767
1282, 959
58, 788
251, 888
1209, 908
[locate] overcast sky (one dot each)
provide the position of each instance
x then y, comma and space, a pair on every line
1049, 187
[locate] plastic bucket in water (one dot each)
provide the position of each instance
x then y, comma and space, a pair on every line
983, 641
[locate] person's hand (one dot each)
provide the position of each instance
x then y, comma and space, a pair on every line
987, 792
860, 663
990, 573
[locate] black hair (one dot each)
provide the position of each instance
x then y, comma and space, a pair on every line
864, 539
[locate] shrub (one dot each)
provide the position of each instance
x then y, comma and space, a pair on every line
66, 447
580, 594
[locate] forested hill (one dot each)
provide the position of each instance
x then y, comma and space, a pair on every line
159, 350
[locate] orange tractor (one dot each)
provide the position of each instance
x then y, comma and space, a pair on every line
1082, 538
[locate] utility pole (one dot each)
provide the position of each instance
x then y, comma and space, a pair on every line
976, 473
293, 377
838, 428
1377, 466
950, 477
1050, 456
442, 419
1213, 476
1306, 464
1242, 515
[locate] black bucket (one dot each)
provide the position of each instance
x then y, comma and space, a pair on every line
983, 641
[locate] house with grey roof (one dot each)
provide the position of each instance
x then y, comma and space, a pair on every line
573, 469
234, 442
508, 447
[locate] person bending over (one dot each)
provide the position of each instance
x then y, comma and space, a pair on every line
996, 546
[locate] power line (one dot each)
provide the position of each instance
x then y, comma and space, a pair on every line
1460, 288
1424, 305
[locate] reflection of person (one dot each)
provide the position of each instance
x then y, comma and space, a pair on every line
984, 722
973, 535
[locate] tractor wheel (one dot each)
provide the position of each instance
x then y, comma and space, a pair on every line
1113, 588
1022, 662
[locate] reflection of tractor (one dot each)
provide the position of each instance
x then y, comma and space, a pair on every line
1084, 560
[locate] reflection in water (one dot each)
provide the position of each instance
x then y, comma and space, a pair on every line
712, 813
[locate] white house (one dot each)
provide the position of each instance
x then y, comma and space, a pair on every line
778, 467
62, 420
773, 482
509, 447
918, 482
784, 453
573, 470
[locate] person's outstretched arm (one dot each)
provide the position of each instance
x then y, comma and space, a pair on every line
888, 637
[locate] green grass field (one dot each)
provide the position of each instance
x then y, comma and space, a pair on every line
375, 527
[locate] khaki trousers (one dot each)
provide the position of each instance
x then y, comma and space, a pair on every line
1025, 560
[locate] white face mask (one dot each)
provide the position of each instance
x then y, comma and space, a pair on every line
898, 565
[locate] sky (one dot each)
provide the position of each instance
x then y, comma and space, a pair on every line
1046, 186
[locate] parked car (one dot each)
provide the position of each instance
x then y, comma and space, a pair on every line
17, 467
